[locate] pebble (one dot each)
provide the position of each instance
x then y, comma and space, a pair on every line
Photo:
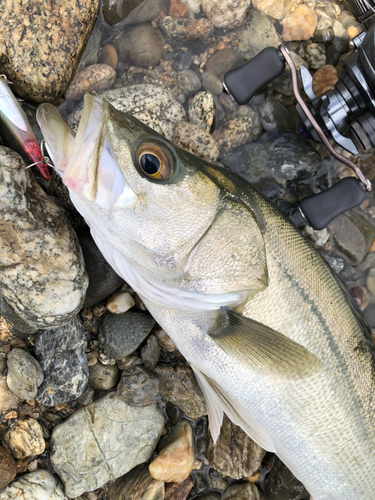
319, 238
202, 110
324, 79
37, 485
223, 61
247, 491
121, 334
280, 484
8, 399
276, 117
178, 491
260, 34
178, 9
25, 439
87, 396
235, 133
139, 387
196, 140
275, 8
103, 441
150, 352
96, 77
137, 485
24, 374
108, 56
300, 24
124, 12
316, 56
193, 5
182, 60
176, 30
61, 354
177, 456
227, 13
128, 361
188, 82
180, 387
139, 45
8, 468
120, 303
103, 377
212, 83
45, 280
336, 263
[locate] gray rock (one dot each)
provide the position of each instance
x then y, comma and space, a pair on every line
335, 263
124, 12
235, 133
260, 34
139, 387
24, 374
150, 352
247, 491
40, 484
176, 29
188, 82
212, 83
225, 14
280, 484
121, 334
87, 396
42, 274
140, 45
222, 61
276, 117
103, 377
182, 60
202, 110
9, 314
61, 354
137, 485
103, 441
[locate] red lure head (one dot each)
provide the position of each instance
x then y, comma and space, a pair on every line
32, 150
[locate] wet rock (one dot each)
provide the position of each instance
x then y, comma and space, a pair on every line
178, 9
103, 377
316, 56
108, 56
130, 11
275, 8
9, 314
139, 387
8, 399
324, 79
25, 439
137, 485
234, 454
120, 303
176, 30
235, 133
30, 33
212, 83
216, 480
196, 140
128, 361
280, 484
24, 374
223, 61
202, 110
177, 456
178, 491
276, 117
180, 386
140, 45
247, 491
260, 34
225, 14
103, 441
40, 484
164, 340
150, 352
95, 77
193, 5
121, 334
300, 24
61, 354
182, 60
87, 396
188, 82
42, 269
8, 468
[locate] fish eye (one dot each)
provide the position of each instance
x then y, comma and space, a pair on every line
154, 162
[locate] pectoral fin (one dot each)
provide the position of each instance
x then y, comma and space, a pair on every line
264, 349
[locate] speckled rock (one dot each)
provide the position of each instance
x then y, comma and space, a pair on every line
41, 264
61, 354
188, 82
276, 8
95, 77
227, 13
8, 399
37, 485
137, 485
280, 484
24, 439
260, 34
243, 492
212, 83
324, 79
124, 12
177, 30
234, 454
178, 9
156, 107
120, 303
139, 387
24, 374
103, 377
180, 386
140, 45
235, 133
103, 441
300, 24
202, 110
196, 140
33, 43
316, 55
8, 468
150, 352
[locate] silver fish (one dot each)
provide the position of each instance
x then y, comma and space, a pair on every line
266, 325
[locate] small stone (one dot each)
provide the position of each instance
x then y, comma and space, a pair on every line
300, 24
87, 396
108, 56
103, 377
193, 5
105, 359
246, 491
188, 82
316, 56
225, 14
275, 8
37, 485
335, 263
216, 480
25, 439
33, 466
92, 358
276, 117
178, 9
235, 133
212, 83
150, 352
125, 12
324, 79
359, 295
96, 77
19, 343
177, 30
182, 60
223, 61
140, 45
137, 485
164, 340
121, 334
120, 303
8, 468
10, 415
179, 491
177, 456
128, 361
319, 238
8, 399
139, 387
24, 374
281, 484
196, 140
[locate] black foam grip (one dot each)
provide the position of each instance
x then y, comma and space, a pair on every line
244, 81
320, 209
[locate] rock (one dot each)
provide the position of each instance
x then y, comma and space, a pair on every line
139, 387
280, 484
92, 48
283, 84
182, 60
156, 107
188, 82
212, 83
300, 24
193, 5
216, 480
335, 263
177, 456
176, 30
202, 110
324, 79
34, 41
178, 9
103, 377
223, 61
42, 274
164, 340
246, 491
37, 485
87, 396
9, 314
260, 34
180, 386
120, 303
137, 485
235, 133
61, 354
103, 441
196, 140
8, 468
130, 11
227, 13
128, 361
319, 238
122, 334
95, 77
24, 374
316, 55
25, 439
108, 56
150, 352
8, 399
139, 45
275, 8
234, 454
179, 491
276, 117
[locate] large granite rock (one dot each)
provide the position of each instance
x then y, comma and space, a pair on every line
41, 43
42, 274
103, 441
38, 485
24, 374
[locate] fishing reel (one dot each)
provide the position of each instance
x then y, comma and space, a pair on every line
350, 106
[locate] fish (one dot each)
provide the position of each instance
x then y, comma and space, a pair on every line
268, 328
17, 122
